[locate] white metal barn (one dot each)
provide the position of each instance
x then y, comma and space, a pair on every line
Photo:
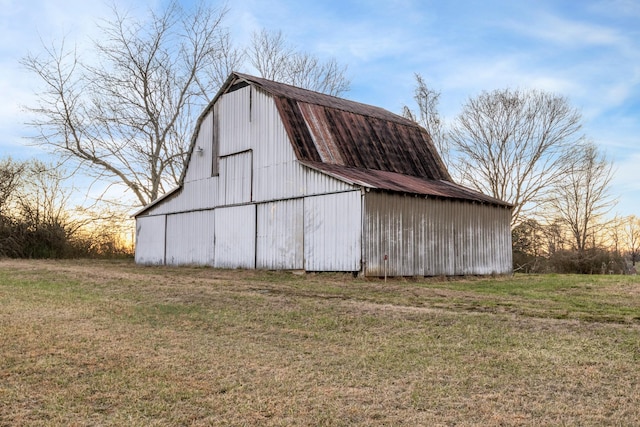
280, 177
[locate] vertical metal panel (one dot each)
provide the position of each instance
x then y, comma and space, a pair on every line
434, 237
270, 140
277, 174
234, 121
201, 194
391, 232
236, 178
150, 239
235, 245
200, 161
332, 232
280, 235
190, 238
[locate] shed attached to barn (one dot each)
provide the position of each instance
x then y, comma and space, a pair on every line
280, 177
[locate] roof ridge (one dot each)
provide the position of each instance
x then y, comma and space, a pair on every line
333, 101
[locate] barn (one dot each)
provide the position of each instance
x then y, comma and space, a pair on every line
280, 177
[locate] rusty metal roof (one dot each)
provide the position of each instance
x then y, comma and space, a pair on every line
392, 181
336, 131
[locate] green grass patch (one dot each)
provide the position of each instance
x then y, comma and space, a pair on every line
112, 343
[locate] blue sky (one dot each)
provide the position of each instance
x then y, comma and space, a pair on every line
587, 50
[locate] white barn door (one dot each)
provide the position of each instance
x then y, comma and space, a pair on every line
333, 232
235, 245
279, 238
190, 238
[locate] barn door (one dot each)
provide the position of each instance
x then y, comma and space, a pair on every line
332, 232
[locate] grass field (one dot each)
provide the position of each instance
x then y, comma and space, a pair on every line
86, 343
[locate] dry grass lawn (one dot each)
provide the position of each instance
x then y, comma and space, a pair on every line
87, 343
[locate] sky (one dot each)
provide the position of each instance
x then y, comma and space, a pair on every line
585, 50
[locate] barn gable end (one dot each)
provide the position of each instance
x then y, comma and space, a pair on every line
279, 177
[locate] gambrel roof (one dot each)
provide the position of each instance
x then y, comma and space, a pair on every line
356, 143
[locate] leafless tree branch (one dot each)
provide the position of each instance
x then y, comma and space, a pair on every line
514, 145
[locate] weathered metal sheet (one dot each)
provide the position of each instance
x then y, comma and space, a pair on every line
200, 161
236, 178
311, 97
277, 174
269, 139
234, 121
430, 237
280, 235
150, 239
235, 230
278, 182
333, 232
317, 182
194, 195
190, 238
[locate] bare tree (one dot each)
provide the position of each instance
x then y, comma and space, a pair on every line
428, 116
37, 219
513, 145
230, 59
127, 116
581, 196
631, 237
11, 173
614, 234
275, 59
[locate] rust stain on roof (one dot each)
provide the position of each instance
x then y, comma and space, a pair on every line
321, 133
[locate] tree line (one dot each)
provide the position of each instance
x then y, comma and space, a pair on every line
37, 219
125, 116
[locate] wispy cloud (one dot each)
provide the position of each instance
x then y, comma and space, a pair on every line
560, 31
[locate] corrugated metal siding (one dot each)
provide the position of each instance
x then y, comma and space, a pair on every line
235, 229
320, 183
430, 237
150, 238
280, 235
190, 238
269, 137
236, 178
200, 162
277, 174
332, 232
281, 181
200, 194
234, 129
